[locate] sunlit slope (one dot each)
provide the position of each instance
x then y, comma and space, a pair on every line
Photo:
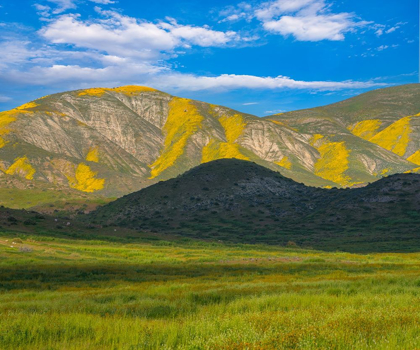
347, 134
110, 142
115, 141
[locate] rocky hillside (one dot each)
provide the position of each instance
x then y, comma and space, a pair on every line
238, 201
110, 142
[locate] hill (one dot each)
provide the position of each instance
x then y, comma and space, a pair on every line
109, 142
239, 201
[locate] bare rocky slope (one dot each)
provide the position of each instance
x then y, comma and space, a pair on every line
110, 142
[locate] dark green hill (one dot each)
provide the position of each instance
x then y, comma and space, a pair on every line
239, 201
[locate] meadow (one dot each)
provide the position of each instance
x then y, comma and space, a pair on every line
62, 293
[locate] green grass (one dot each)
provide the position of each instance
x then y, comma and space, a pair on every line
46, 200
58, 293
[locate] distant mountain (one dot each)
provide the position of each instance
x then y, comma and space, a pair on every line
110, 142
239, 201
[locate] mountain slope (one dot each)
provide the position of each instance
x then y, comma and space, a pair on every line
240, 201
110, 142
388, 118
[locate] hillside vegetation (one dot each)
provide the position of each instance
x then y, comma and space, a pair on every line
109, 142
239, 201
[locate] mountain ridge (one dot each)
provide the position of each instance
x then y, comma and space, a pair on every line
109, 142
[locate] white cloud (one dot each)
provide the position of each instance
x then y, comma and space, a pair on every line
43, 11
232, 81
312, 28
162, 77
270, 10
306, 20
276, 111
103, 2
231, 13
250, 103
63, 5
79, 76
391, 30
5, 99
382, 47
128, 37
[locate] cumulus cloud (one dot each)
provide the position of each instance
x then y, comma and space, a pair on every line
126, 36
305, 20
312, 28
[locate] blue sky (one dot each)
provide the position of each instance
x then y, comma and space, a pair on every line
260, 57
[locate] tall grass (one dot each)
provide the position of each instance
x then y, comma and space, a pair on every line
74, 294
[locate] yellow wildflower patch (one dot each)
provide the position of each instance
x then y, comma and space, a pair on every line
395, 137
333, 163
282, 123
366, 129
234, 126
285, 163
93, 155
130, 90
183, 121
85, 179
21, 167
277, 122
315, 139
5, 119
219, 150
415, 158
27, 106
97, 92
8, 117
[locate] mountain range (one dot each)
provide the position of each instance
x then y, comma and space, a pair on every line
104, 143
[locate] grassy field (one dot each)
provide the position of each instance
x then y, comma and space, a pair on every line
58, 293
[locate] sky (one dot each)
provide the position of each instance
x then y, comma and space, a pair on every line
258, 57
